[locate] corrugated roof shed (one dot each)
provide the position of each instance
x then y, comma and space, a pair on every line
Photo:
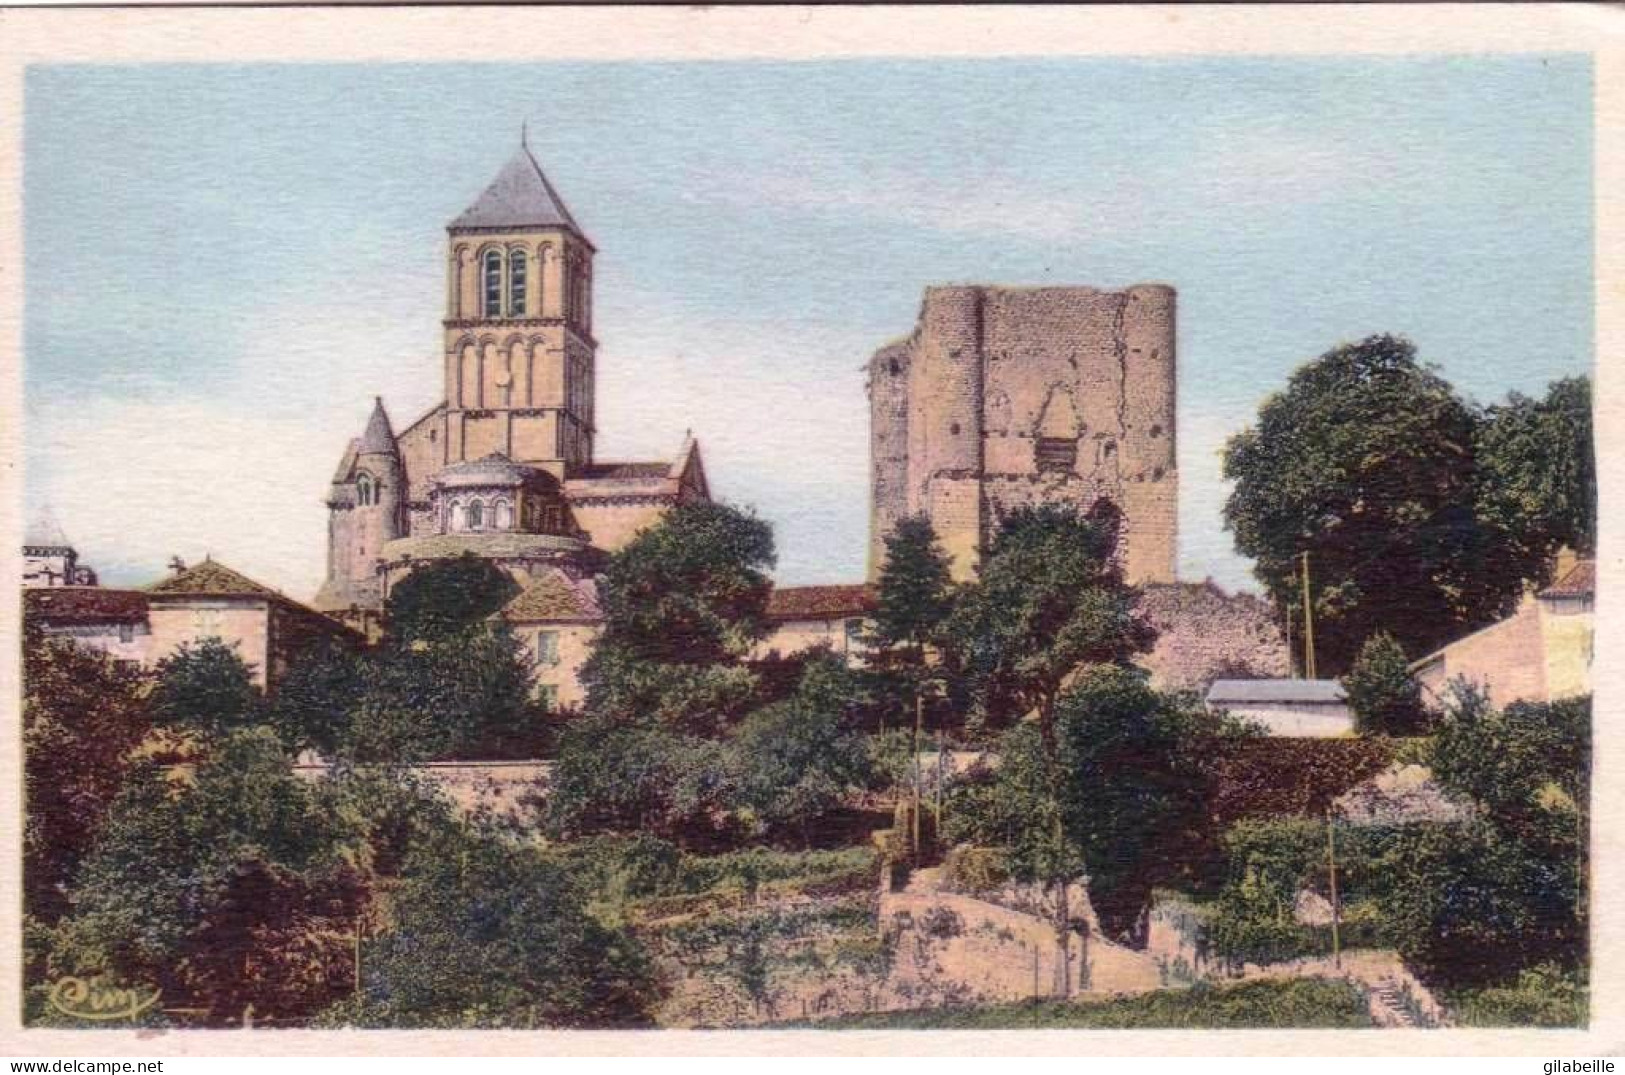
1297, 691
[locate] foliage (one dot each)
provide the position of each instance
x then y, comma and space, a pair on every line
83, 715
974, 869
1366, 463
914, 593
444, 599
1295, 1003
691, 589
1049, 599
458, 696
617, 776
1537, 480
206, 688
322, 687
1385, 698
1270, 862
486, 932
1545, 996
1505, 758
797, 760
1265, 777
228, 890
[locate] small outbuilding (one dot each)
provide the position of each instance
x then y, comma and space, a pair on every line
1291, 708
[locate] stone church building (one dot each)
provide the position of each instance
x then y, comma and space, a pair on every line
503, 467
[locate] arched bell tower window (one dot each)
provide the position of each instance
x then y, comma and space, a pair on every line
492, 273
518, 265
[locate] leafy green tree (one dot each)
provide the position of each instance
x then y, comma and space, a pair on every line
486, 932
83, 714
684, 603
1366, 463
799, 759
228, 889
1537, 478
207, 688
1385, 698
457, 696
441, 600
1049, 600
318, 695
618, 776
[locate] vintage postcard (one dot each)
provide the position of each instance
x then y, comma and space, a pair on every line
807, 521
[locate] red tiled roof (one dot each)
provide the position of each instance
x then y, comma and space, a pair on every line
623, 471
820, 602
213, 579
554, 597
84, 604
1581, 581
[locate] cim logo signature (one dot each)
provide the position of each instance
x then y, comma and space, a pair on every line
91, 998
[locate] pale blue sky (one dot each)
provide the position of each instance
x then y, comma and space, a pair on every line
225, 263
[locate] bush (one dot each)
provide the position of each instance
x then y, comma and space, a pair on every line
1543, 996
975, 869
1384, 697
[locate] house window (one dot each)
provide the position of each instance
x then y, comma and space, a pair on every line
547, 647
854, 632
1056, 454
516, 283
476, 516
548, 695
493, 283
126, 632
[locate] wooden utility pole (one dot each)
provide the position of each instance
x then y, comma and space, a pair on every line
1308, 625
919, 723
1331, 871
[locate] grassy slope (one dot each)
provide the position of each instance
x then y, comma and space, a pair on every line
1296, 1003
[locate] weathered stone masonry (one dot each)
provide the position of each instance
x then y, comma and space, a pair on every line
1011, 397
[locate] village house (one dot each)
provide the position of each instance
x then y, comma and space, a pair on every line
1540, 653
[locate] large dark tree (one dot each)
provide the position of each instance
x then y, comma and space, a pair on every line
1049, 600
1538, 477
83, 715
684, 603
1366, 463
205, 688
487, 932
443, 599
1385, 698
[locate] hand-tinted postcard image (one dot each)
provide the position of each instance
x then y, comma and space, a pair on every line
877, 542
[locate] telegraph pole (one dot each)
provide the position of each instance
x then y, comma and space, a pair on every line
1308, 625
1331, 869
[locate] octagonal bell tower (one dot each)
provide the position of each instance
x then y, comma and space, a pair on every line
519, 350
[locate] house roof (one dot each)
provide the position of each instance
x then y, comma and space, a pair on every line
622, 471
1305, 691
211, 578
519, 197
379, 438
820, 602
84, 604
1581, 581
555, 597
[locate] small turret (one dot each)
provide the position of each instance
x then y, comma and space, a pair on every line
366, 509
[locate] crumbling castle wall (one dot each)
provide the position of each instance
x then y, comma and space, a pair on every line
1205, 634
1012, 397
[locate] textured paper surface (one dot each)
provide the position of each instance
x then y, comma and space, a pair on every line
941, 36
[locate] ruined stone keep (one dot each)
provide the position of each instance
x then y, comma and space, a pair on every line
1010, 397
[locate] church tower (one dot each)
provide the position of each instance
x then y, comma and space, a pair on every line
519, 350
365, 510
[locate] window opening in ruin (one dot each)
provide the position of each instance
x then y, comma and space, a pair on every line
954, 429
1056, 454
1156, 431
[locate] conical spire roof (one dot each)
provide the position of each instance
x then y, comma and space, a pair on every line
519, 197
379, 437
